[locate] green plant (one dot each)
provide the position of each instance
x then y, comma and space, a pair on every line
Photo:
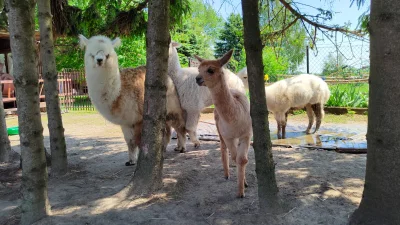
349, 95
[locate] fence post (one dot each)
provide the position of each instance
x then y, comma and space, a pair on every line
308, 60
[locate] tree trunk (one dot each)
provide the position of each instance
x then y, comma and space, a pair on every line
57, 139
148, 174
35, 204
265, 167
5, 147
380, 203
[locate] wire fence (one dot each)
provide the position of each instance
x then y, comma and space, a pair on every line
337, 62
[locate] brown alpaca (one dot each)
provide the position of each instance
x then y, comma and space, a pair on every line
232, 116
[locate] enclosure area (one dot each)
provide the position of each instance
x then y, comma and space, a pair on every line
319, 186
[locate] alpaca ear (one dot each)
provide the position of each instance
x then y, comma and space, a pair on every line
198, 58
116, 42
225, 58
175, 44
82, 41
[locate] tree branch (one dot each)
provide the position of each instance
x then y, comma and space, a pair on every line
279, 32
315, 24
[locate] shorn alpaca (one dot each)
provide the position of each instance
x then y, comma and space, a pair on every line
304, 90
119, 94
232, 116
194, 98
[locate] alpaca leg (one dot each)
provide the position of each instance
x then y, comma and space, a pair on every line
234, 153
319, 114
137, 132
192, 120
284, 126
224, 150
241, 161
310, 117
279, 118
279, 130
129, 139
181, 133
167, 136
232, 146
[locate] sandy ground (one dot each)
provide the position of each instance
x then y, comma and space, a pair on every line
317, 186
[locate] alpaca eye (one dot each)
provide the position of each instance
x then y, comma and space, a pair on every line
108, 55
210, 71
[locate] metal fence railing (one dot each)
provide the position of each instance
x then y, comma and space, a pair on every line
73, 91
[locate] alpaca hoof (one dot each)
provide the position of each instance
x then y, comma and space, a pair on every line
196, 144
177, 149
129, 163
240, 195
226, 177
246, 184
308, 132
183, 150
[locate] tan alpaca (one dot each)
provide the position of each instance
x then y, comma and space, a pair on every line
119, 94
232, 116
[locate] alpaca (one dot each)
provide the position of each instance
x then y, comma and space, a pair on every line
119, 94
242, 74
232, 116
304, 90
194, 98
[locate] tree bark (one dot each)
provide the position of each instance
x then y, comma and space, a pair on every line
380, 203
58, 147
5, 147
265, 166
35, 204
148, 174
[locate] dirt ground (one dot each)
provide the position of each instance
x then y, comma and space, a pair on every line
317, 186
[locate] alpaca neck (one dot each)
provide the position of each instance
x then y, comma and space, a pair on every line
223, 99
173, 66
104, 84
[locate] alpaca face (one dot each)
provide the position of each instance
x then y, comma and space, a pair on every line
210, 71
99, 51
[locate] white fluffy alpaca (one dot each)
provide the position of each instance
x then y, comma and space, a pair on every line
119, 94
194, 98
304, 90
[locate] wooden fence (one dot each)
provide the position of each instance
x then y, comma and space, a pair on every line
72, 87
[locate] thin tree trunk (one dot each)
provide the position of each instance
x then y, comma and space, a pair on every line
380, 203
265, 167
35, 204
57, 139
5, 147
148, 174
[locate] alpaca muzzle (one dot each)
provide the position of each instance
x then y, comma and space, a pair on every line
200, 81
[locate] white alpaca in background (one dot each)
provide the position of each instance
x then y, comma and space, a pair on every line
304, 90
194, 98
118, 95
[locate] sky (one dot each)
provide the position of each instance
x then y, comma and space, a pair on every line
355, 53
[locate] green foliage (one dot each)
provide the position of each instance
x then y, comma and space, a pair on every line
288, 43
274, 65
197, 32
68, 53
231, 37
348, 95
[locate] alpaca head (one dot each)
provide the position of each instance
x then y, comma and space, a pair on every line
100, 51
210, 71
